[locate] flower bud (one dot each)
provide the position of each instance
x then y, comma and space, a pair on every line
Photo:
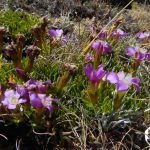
33, 52
70, 70
22, 74
20, 39
10, 51
2, 32
44, 24
37, 32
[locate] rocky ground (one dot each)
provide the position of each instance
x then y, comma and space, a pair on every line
136, 16
76, 9
61, 7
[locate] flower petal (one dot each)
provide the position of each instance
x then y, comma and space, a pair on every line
55, 33
121, 75
88, 57
59, 32
139, 56
35, 100
121, 86
103, 35
96, 45
127, 79
130, 51
22, 100
50, 108
88, 69
147, 56
119, 34
93, 77
11, 106
102, 47
112, 77
135, 81
31, 81
8, 93
142, 35
5, 102
100, 72
48, 82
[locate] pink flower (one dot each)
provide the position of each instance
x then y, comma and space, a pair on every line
123, 80
118, 34
143, 35
12, 99
94, 75
101, 47
137, 53
55, 33
42, 100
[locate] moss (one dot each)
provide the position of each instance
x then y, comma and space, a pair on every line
18, 22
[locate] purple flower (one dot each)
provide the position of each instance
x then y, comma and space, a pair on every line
137, 53
88, 57
103, 35
38, 86
94, 75
143, 35
48, 82
22, 91
35, 99
123, 80
118, 34
57, 37
55, 33
48, 103
147, 56
22, 74
42, 100
12, 99
101, 47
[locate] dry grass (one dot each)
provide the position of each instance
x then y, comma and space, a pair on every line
141, 14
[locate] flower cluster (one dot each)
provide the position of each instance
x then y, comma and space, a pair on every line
99, 77
32, 92
122, 80
138, 53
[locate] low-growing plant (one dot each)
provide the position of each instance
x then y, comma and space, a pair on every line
94, 90
18, 22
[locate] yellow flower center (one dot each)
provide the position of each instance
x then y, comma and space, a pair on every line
46, 102
13, 100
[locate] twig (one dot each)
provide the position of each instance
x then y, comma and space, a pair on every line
124, 138
3, 136
52, 134
46, 133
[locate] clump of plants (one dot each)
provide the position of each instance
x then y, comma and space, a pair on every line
81, 103
18, 22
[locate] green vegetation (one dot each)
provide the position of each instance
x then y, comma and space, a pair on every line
67, 94
18, 22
